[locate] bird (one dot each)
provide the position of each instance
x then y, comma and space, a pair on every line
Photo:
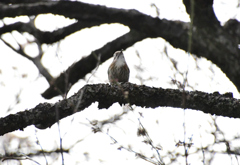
118, 71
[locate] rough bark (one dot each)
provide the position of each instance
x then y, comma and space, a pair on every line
209, 39
45, 115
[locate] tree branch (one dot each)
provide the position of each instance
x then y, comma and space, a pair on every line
210, 39
45, 115
232, 26
221, 47
20, 1
84, 66
203, 13
49, 37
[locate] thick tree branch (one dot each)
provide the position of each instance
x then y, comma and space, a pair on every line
232, 26
203, 13
20, 1
221, 47
69, 9
210, 39
49, 37
95, 13
45, 115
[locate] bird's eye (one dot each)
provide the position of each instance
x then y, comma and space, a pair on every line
117, 54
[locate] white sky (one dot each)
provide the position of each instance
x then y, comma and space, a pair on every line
169, 129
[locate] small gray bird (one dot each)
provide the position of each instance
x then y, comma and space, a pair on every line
118, 71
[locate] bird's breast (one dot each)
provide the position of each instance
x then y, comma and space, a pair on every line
120, 63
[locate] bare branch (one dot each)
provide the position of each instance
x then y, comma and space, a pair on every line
209, 38
37, 61
44, 115
86, 65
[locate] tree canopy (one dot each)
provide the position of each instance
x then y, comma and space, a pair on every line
204, 36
